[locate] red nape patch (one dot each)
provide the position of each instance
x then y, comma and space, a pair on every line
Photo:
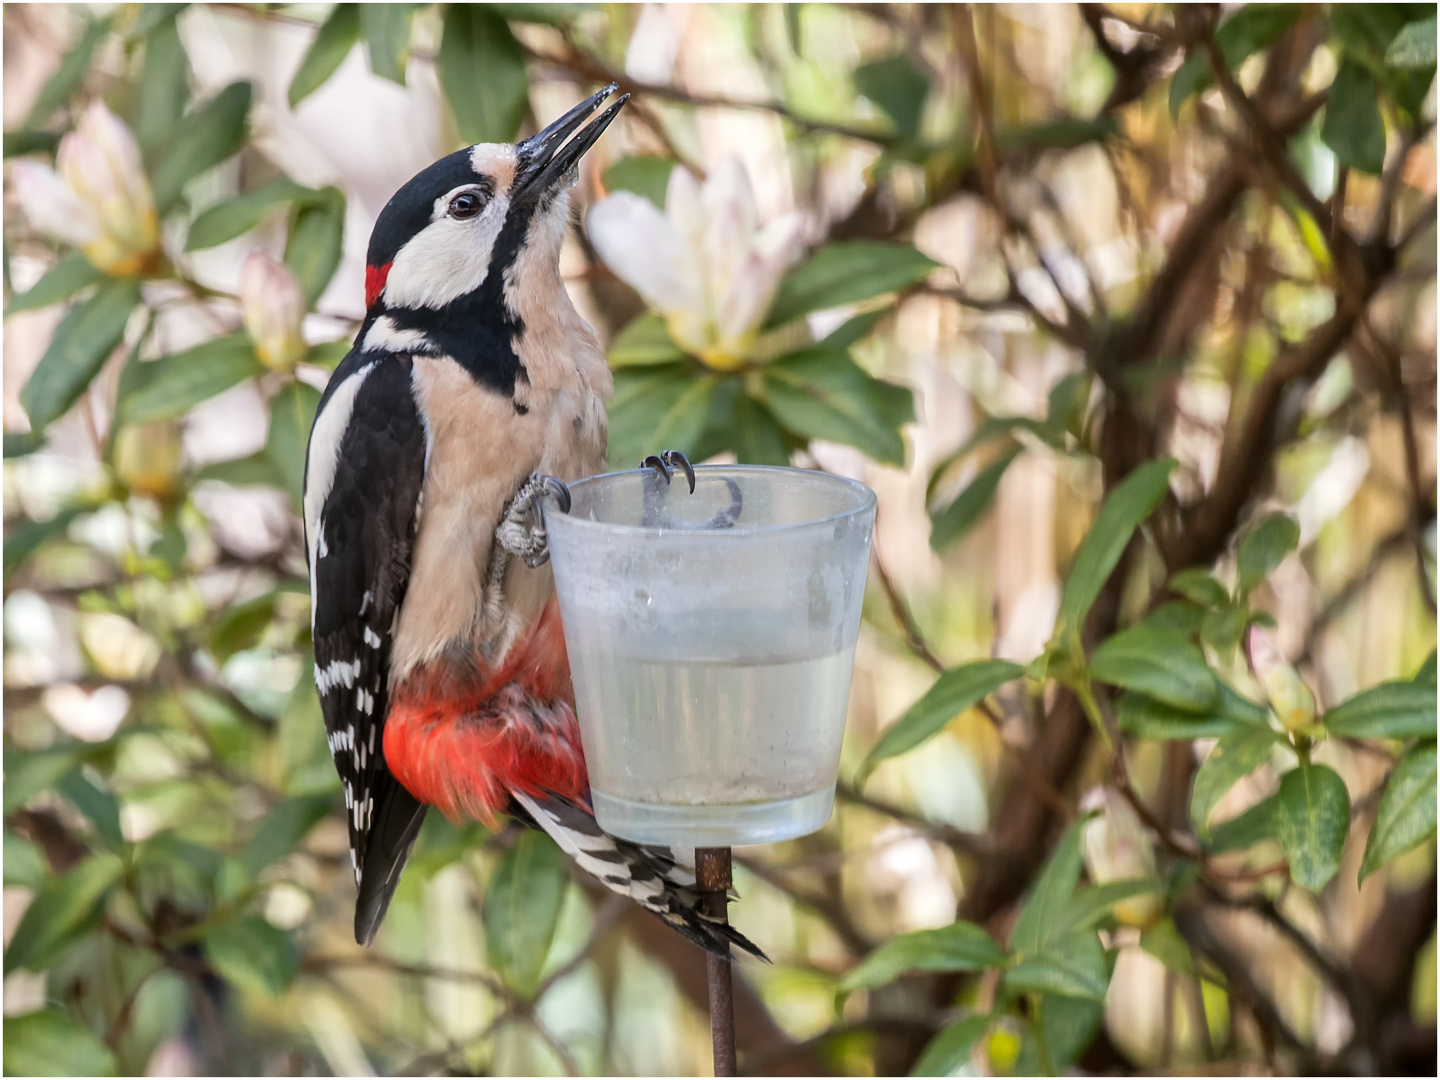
375, 283
461, 742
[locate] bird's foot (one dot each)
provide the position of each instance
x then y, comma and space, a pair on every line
522, 530
671, 459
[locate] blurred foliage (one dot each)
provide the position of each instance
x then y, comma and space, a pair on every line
176, 889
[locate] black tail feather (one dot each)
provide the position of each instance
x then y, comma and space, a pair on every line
656, 878
391, 835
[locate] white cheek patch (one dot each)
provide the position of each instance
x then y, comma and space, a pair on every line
445, 260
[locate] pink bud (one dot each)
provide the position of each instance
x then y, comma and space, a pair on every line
1117, 847
274, 307
100, 164
1289, 697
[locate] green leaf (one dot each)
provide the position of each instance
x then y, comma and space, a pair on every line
1070, 1027
954, 521
755, 435
22, 541
49, 1043
853, 330
152, 16
241, 626
961, 946
1198, 584
1252, 28
1146, 718
1223, 628
898, 87
643, 397
251, 953
386, 29
1089, 907
1164, 942
1265, 546
205, 138
328, 354
1177, 617
1128, 505
820, 394
847, 272
24, 864
482, 71
28, 774
1312, 819
521, 908
1244, 830
680, 427
20, 143
244, 472
1407, 809
333, 42
644, 342
1427, 674
97, 804
1353, 127
63, 910
1233, 758
644, 174
173, 385
283, 828
82, 342
1391, 710
1039, 921
70, 72
314, 245
1414, 46
950, 695
1072, 965
292, 412
950, 1050
239, 215
1164, 664
63, 280
164, 83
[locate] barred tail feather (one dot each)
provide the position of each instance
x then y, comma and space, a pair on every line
391, 835
659, 879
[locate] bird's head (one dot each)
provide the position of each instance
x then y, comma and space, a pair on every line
478, 233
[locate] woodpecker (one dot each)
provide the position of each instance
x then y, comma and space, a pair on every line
473, 391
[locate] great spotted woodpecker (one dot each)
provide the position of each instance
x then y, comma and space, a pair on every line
473, 390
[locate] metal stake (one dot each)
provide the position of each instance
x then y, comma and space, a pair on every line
712, 875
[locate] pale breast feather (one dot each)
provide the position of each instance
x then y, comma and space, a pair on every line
364, 472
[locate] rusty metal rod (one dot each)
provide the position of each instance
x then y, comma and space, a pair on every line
712, 875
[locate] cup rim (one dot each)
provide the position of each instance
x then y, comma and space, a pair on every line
867, 503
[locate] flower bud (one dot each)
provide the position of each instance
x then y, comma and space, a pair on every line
50, 205
1116, 847
147, 459
274, 306
1289, 697
100, 164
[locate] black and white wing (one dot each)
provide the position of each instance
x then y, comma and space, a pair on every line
364, 471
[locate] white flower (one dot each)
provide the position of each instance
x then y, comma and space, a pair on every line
1116, 847
1291, 699
90, 717
705, 263
99, 199
274, 306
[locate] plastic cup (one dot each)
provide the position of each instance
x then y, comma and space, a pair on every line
711, 640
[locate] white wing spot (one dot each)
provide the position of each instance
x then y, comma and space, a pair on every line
336, 673
371, 638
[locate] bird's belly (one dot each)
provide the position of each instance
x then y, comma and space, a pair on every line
482, 447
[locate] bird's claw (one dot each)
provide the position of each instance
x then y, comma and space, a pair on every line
671, 459
522, 530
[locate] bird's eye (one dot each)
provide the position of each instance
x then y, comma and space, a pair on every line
465, 205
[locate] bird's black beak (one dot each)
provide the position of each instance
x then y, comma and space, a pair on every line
546, 157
